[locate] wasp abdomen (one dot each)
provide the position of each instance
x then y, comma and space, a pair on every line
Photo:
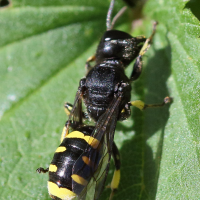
61, 177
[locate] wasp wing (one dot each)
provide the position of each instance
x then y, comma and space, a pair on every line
93, 165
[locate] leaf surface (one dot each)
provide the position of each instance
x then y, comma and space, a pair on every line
43, 49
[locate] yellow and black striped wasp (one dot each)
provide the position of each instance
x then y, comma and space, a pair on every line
80, 164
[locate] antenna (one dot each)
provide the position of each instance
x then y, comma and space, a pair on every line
110, 24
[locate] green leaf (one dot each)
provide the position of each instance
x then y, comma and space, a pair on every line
43, 49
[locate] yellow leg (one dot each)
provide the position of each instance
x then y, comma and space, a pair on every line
89, 60
141, 105
68, 108
115, 183
64, 133
116, 176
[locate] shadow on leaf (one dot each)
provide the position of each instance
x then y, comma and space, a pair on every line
194, 6
140, 166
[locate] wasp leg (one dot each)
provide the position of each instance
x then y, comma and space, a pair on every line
125, 113
137, 68
72, 125
141, 105
68, 107
65, 132
89, 60
75, 111
42, 170
116, 176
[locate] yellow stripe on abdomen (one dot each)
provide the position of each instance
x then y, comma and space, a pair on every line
53, 168
60, 149
87, 161
78, 179
64, 133
62, 193
89, 139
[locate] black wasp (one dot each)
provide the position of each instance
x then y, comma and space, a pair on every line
81, 162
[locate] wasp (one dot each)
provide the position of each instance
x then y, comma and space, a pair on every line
80, 164
106, 82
